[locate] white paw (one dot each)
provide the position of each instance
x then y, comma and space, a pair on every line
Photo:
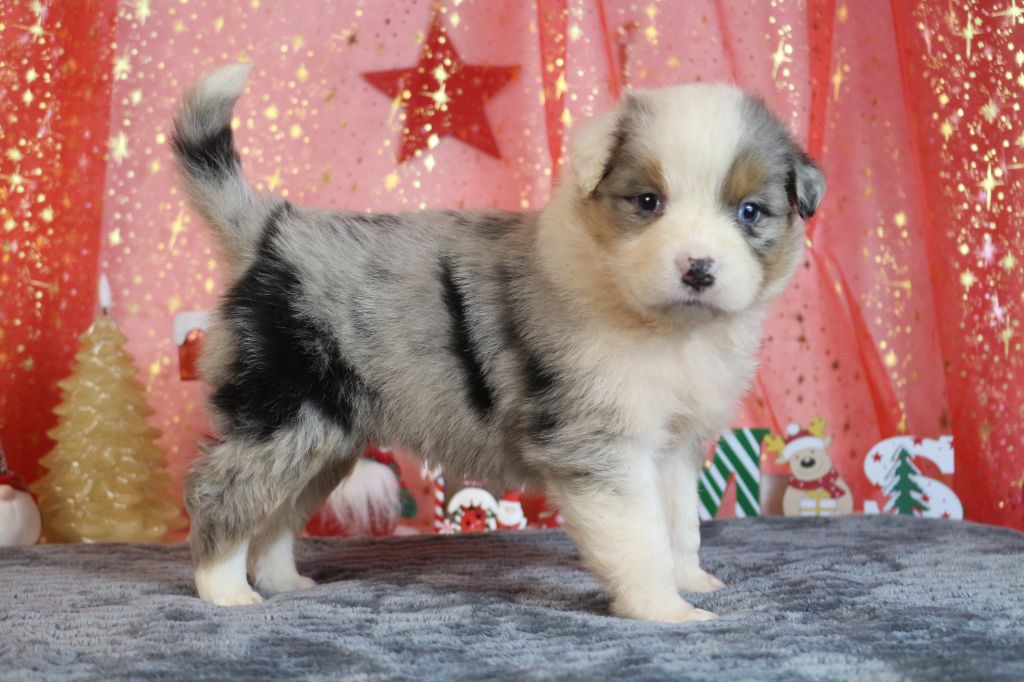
245, 597
669, 611
284, 583
698, 581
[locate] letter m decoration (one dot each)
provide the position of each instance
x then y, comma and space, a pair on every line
738, 453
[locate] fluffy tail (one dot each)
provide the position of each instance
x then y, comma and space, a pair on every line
205, 149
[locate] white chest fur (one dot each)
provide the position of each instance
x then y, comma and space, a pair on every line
673, 388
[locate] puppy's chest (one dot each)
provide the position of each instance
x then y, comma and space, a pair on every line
668, 392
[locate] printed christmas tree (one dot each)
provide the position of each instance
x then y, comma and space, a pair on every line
107, 477
903, 491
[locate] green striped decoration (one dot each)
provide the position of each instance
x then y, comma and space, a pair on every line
738, 452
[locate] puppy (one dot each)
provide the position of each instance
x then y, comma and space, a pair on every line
592, 348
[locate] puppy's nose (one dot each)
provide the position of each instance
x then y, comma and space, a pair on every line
700, 274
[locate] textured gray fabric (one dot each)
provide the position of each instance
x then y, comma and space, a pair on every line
857, 598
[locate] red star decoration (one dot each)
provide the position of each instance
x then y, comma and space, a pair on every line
877, 457
443, 95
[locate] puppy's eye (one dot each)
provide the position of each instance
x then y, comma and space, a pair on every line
648, 203
749, 213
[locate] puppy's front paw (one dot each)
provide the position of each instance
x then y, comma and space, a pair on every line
698, 581
670, 610
284, 583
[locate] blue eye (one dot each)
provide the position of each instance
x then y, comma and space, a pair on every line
749, 213
648, 203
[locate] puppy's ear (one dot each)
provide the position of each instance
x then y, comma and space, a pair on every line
807, 185
591, 148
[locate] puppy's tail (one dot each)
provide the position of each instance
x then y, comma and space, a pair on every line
205, 149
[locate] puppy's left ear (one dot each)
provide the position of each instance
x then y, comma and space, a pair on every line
807, 185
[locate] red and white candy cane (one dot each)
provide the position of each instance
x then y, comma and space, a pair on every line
438, 483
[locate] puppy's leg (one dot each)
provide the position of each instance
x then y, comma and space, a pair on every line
620, 528
271, 558
230, 495
677, 483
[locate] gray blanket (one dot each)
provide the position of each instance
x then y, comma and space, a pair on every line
858, 598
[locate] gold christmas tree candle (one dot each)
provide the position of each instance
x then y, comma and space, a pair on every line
107, 478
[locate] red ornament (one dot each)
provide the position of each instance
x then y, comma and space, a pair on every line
188, 355
443, 95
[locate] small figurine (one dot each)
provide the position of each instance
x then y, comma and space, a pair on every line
815, 488
20, 523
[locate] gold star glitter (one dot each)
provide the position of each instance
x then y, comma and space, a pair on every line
31, 75
271, 112
13, 154
990, 110
135, 96
27, 97
114, 237
274, 180
651, 33
1008, 261
1014, 12
837, 81
177, 227
1006, 335
142, 10
560, 85
967, 279
900, 219
946, 129
842, 13
302, 73
122, 67
440, 98
968, 33
391, 180
179, 26
15, 180
118, 146
890, 359
575, 32
46, 215
429, 162
440, 74
989, 184
566, 118
780, 56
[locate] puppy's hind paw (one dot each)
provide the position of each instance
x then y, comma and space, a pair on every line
698, 581
287, 583
238, 598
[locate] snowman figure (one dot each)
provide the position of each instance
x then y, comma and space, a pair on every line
20, 523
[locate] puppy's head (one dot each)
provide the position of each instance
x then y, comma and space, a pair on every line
691, 194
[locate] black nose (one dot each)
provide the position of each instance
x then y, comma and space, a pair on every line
701, 274
807, 462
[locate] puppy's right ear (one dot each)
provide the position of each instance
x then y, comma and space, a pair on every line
591, 149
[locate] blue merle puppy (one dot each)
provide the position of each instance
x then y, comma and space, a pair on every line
592, 348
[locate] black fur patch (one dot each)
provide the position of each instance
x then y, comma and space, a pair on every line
213, 155
285, 360
539, 380
462, 345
